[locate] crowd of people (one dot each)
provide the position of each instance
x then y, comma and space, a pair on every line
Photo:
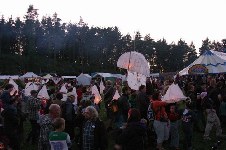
139, 119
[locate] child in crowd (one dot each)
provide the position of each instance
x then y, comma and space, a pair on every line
174, 133
58, 139
188, 118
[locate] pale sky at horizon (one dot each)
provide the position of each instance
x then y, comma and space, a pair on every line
191, 20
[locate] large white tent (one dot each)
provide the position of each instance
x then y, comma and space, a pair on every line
84, 79
214, 61
29, 75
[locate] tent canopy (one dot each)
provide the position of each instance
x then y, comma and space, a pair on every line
69, 77
14, 77
29, 75
214, 61
84, 79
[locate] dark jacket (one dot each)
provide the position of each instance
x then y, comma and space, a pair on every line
11, 119
142, 103
123, 104
68, 112
100, 136
133, 137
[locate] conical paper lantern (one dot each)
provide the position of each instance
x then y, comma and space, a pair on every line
173, 94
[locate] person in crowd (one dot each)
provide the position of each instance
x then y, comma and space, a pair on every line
211, 118
58, 139
142, 101
11, 124
223, 111
134, 134
58, 100
46, 126
6, 97
93, 135
161, 121
123, 106
68, 113
149, 87
108, 95
188, 118
33, 107
174, 118
109, 92
132, 99
213, 93
79, 93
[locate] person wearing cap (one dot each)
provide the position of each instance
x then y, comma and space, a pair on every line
33, 107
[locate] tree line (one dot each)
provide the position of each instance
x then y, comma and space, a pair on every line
48, 45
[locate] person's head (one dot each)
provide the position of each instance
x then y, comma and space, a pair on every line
133, 115
70, 89
9, 87
54, 110
34, 93
71, 97
59, 124
213, 83
88, 102
172, 108
126, 90
144, 121
108, 83
90, 113
142, 88
59, 96
191, 87
156, 95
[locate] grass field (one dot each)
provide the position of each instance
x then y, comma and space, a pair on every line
198, 142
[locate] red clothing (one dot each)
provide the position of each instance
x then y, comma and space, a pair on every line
159, 110
79, 95
173, 116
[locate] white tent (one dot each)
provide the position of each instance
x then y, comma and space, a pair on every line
48, 76
30, 86
29, 75
14, 77
69, 77
15, 86
84, 79
43, 93
214, 61
104, 75
173, 94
